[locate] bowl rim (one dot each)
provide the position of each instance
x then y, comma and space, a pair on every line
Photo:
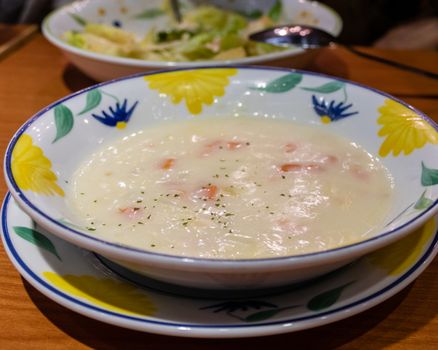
127, 252
134, 62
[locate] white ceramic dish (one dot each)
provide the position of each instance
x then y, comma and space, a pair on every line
76, 279
47, 149
129, 15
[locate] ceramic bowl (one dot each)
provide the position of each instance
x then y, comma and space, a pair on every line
139, 16
43, 154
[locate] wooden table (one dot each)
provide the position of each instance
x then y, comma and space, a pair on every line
12, 36
37, 74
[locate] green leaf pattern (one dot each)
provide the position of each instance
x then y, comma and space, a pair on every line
327, 88
423, 202
36, 238
63, 121
429, 177
283, 84
290, 81
266, 314
93, 99
326, 299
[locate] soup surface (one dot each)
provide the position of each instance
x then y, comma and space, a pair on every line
231, 188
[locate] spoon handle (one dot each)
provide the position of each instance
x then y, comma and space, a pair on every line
392, 63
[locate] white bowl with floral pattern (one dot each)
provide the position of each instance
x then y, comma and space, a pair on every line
139, 16
46, 150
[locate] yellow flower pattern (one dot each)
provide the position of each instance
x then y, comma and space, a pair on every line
404, 129
400, 256
104, 292
196, 87
32, 170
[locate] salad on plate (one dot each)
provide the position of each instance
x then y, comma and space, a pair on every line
206, 32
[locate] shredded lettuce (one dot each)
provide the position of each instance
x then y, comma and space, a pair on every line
209, 18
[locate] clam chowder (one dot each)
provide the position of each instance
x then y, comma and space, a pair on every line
231, 188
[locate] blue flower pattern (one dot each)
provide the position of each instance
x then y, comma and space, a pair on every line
331, 111
118, 116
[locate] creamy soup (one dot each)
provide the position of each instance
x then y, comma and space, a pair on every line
231, 188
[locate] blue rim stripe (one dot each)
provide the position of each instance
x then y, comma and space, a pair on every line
49, 287
8, 159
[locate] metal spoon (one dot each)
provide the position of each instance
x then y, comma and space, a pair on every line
309, 37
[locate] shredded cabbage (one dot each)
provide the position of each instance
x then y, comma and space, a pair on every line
206, 33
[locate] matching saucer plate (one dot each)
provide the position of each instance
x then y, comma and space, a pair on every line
83, 282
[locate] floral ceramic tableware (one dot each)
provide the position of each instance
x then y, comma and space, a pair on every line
80, 281
44, 153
